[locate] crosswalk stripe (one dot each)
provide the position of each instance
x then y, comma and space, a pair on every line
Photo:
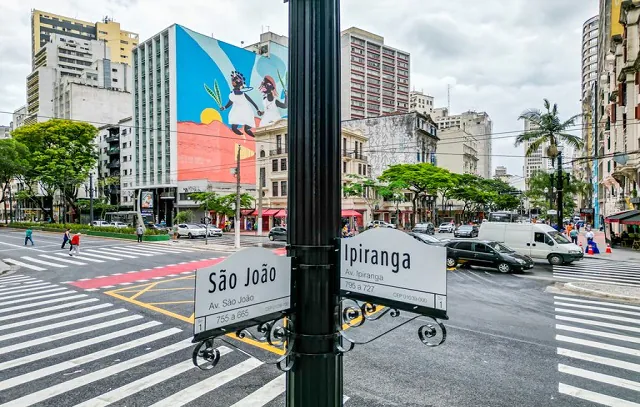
46, 263
199, 389
599, 345
621, 364
264, 394
146, 253
597, 281
40, 290
594, 397
44, 310
591, 332
25, 265
16, 279
91, 357
67, 292
89, 378
623, 277
55, 316
35, 304
612, 304
76, 345
599, 377
25, 288
598, 323
163, 249
67, 334
83, 258
106, 251
27, 332
599, 277
78, 263
596, 315
144, 383
613, 269
593, 307
12, 276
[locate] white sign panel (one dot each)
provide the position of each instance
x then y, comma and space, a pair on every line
389, 264
249, 284
552, 212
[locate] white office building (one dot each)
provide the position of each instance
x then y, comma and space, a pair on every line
421, 102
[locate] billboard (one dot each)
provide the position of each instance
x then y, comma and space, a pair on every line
223, 93
616, 27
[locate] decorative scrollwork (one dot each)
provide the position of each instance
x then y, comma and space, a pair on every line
354, 314
205, 355
432, 334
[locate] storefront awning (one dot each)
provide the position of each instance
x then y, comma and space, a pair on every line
348, 213
634, 220
281, 214
248, 212
621, 216
270, 212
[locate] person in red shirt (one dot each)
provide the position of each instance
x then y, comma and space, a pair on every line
75, 245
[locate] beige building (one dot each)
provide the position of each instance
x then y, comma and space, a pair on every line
457, 151
421, 102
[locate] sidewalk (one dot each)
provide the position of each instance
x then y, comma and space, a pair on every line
618, 292
618, 253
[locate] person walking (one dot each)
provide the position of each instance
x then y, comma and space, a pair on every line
66, 238
140, 232
75, 245
28, 236
574, 236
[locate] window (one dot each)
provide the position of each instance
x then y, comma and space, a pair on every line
483, 248
283, 164
274, 165
359, 169
274, 189
539, 237
344, 167
464, 246
283, 188
262, 154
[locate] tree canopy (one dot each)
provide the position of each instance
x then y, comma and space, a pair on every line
225, 204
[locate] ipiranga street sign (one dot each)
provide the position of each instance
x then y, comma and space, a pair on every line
249, 287
388, 267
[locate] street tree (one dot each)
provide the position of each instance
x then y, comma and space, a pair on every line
541, 194
394, 192
547, 129
183, 217
364, 188
61, 155
12, 163
224, 204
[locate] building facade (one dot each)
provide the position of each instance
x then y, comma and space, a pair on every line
402, 138
589, 53
457, 151
18, 117
421, 102
114, 171
5, 132
501, 171
374, 76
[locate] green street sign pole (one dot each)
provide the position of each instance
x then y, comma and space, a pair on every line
314, 201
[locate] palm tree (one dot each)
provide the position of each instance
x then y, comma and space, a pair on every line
546, 128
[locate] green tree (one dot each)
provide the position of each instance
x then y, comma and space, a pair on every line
547, 128
12, 163
364, 188
225, 204
183, 217
541, 195
61, 155
394, 192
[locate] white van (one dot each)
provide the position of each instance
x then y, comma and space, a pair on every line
537, 241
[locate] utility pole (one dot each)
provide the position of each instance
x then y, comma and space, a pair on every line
260, 204
237, 222
314, 224
206, 221
91, 198
560, 180
10, 205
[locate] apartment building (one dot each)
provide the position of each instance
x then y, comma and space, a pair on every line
114, 171
457, 151
44, 25
375, 76
5, 132
421, 102
18, 117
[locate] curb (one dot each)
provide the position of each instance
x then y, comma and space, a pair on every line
598, 293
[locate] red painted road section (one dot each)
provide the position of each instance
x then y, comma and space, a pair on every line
144, 274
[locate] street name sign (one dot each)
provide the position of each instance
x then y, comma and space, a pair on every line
249, 287
389, 267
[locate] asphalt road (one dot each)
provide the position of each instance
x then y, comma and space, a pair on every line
116, 329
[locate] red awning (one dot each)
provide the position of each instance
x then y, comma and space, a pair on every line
247, 212
348, 213
281, 214
270, 212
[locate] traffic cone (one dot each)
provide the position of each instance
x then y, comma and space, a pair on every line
590, 250
608, 251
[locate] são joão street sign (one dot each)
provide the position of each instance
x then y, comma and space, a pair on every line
249, 287
389, 267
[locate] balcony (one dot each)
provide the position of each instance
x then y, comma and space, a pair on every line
113, 151
114, 164
354, 155
112, 138
279, 151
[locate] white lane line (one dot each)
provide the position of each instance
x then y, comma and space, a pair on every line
68, 334
77, 263
67, 292
592, 280
55, 316
594, 277
25, 265
598, 323
612, 304
598, 345
27, 332
17, 279
90, 256
167, 249
203, 387
42, 290
592, 307
113, 252
26, 288
600, 266
138, 252
621, 364
34, 357
46, 263
80, 381
11, 277
265, 393
144, 383
83, 258
20, 307
594, 397
596, 315
600, 271
91, 357
601, 334
483, 278
599, 377
45, 310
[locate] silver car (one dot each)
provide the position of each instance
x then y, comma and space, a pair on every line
191, 231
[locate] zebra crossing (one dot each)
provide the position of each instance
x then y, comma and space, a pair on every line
60, 347
91, 254
600, 271
599, 350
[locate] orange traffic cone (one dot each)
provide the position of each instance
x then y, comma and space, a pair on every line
608, 251
590, 250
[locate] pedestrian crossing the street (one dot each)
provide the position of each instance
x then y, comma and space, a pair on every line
59, 347
599, 350
90, 255
600, 271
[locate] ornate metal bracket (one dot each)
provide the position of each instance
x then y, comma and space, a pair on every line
276, 332
354, 314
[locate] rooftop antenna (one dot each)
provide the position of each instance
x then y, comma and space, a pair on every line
449, 98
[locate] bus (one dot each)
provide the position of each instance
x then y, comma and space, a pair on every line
131, 218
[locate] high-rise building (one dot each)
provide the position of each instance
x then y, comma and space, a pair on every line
420, 102
589, 53
501, 171
375, 77
44, 24
538, 160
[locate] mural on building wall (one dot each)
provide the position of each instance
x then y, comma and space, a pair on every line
223, 93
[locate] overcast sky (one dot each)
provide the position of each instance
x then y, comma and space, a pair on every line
500, 56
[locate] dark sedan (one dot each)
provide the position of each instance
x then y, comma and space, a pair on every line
278, 233
466, 231
424, 238
425, 228
486, 254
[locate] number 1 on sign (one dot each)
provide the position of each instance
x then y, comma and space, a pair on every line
199, 325
441, 302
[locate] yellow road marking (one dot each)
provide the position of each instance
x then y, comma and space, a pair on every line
170, 302
138, 294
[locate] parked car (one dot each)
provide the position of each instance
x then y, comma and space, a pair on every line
278, 233
190, 231
99, 223
466, 231
155, 226
446, 228
428, 239
119, 225
426, 228
380, 224
486, 253
211, 230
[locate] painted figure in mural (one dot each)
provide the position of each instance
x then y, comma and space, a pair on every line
271, 102
241, 113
